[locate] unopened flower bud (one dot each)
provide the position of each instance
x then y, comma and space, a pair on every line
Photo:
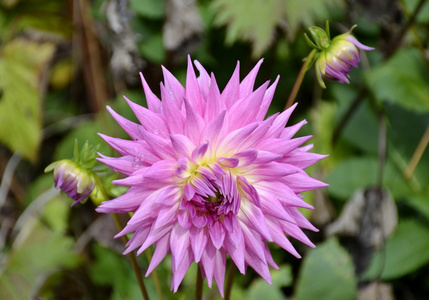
74, 180
335, 58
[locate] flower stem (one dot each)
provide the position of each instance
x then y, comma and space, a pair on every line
132, 259
230, 281
199, 285
299, 79
421, 147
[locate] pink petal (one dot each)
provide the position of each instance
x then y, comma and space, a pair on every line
131, 128
217, 234
203, 79
199, 152
214, 104
259, 266
182, 145
153, 103
268, 97
231, 92
174, 87
162, 248
279, 237
246, 86
213, 130
219, 269
151, 121
182, 266
179, 244
244, 111
253, 217
246, 157
199, 238
194, 124
208, 262
193, 94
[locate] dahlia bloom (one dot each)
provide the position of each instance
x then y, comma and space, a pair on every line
71, 178
209, 176
336, 57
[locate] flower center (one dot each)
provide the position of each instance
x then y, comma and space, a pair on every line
211, 193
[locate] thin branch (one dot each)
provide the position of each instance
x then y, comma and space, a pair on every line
7, 177
230, 282
351, 110
396, 43
417, 155
133, 259
299, 79
199, 284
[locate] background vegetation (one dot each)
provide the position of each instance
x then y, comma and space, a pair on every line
61, 62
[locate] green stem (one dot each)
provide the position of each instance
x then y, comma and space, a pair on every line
132, 259
230, 281
199, 285
299, 79
418, 153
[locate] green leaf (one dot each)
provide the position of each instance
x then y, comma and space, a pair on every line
402, 79
420, 204
153, 9
115, 270
326, 273
249, 20
20, 98
406, 251
260, 289
37, 252
361, 129
409, 126
153, 49
423, 15
361, 172
307, 13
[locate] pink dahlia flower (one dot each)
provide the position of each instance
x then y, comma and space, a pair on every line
210, 177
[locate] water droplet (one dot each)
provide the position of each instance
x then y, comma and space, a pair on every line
155, 131
135, 166
136, 159
142, 157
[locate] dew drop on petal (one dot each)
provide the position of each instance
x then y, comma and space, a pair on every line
155, 131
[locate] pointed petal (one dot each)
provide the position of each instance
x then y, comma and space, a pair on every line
203, 79
217, 234
153, 103
193, 94
214, 104
199, 238
231, 93
131, 128
219, 269
174, 87
246, 86
162, 248
266, 102
244, 111
279, 237
182, 145
194, 123
179, 243
151, 121
182, 266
